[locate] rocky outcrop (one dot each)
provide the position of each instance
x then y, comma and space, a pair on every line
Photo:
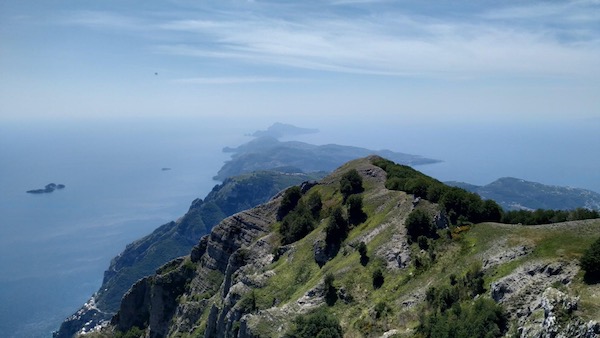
538, 308
555, 316
47, 189
155, 302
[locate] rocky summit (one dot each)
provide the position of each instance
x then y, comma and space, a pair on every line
372, 250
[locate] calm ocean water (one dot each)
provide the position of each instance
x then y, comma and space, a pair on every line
55, 247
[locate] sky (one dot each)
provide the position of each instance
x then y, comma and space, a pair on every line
421, 61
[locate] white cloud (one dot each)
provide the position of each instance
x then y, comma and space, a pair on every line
233, 80
498, 43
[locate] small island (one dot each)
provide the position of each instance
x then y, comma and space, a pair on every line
165, 169
47, 189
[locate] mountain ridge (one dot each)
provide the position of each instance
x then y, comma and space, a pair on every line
515, 193
240, 282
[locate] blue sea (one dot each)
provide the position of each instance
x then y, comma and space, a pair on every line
54, 247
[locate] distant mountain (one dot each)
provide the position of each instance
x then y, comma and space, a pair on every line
514, 194
267, 153
278, 130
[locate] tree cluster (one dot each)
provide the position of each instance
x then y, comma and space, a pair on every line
289, 201
418, 224
452, 313
462, 206
301, 219
481, 318
337, 228
319, 324
590, 263
459, 204
542, 216
351, 183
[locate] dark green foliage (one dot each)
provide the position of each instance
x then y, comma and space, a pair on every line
330, 290
462, 203
378, 278
248, 302
381, 309
289, 201
542, 216
435, 192
356, 215
134, 332
319, 323
451, 311
492, 212
590, 262
418, 224
314, 204
296, 224
418, 186
351, 183
423, 242
459, 288
362, 250
336, 229
481, 318
456, 202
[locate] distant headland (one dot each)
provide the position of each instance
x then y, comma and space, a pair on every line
47, 189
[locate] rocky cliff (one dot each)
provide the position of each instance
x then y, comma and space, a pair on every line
174, 239
239, 281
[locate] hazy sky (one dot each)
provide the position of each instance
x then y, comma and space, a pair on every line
289, 60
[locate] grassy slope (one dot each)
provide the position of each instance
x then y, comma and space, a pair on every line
299, 273
398, 303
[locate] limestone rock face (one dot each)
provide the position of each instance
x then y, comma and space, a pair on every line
175, 239
539, 309
156, 302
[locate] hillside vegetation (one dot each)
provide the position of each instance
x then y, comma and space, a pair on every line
356, 256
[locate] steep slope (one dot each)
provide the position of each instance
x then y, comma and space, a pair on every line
513, 193
239, 281
174, 239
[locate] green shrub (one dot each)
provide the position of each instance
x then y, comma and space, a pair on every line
362, 249
330, 290
480, 318
319, 323
590, 262
419, 223
351, 183
356, 215
314, 204
378, 278
289, 201
296, 224
336, 229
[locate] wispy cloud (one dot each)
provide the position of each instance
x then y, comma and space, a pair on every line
234, 80
105, 20
499, 42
